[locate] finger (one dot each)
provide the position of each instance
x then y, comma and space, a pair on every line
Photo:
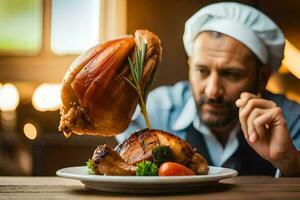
271, 116
257, 103
270, 119
260, 127
240, 103
253, 138
243, 124
248, 108
244, 97
252, 132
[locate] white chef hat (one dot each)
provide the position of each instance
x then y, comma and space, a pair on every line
244, 23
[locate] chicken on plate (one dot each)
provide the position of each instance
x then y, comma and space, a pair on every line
141, 146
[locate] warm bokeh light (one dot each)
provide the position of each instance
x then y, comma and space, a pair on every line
46, 97
9, 97
30, 131
286, 81
291, 59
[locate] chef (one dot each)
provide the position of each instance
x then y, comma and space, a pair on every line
224, 111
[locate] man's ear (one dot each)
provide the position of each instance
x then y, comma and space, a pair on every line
264, 75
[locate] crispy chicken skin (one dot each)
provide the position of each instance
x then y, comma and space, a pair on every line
96, 98
138, 147
107, 161
198, 164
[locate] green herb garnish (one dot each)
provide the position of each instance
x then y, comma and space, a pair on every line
146, 168
137, 69
161, 154
90, 167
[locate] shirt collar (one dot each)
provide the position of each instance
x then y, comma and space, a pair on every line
186, 117
218, 154
189, 116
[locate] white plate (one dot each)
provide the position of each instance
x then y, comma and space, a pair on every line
146, 184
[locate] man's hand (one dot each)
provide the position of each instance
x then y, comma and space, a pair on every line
266, 132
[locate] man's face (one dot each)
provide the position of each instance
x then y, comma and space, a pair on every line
221, 68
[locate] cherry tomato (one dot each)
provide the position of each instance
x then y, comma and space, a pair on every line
174, 169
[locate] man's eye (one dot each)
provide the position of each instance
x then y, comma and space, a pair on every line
231, 75
202, 71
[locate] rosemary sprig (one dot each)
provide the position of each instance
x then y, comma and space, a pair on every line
137, 69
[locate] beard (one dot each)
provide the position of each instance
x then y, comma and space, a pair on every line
217, 119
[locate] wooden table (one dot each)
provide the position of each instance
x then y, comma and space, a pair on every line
255, 187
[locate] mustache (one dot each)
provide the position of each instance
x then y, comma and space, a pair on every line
219, 101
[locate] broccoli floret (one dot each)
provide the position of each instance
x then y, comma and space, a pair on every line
146, 168
90, 167
161, 154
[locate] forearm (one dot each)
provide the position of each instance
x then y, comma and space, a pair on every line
289, 165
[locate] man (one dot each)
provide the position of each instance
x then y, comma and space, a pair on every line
224, 111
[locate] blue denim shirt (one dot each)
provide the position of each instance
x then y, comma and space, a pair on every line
172, 109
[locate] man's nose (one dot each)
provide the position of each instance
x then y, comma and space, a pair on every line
213, 88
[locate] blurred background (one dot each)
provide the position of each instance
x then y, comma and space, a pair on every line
39, 39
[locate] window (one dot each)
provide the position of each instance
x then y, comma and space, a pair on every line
20, 26
39, 39
74, 25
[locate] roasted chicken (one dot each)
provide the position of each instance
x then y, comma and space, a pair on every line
138, 147
107, 161
96, 98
